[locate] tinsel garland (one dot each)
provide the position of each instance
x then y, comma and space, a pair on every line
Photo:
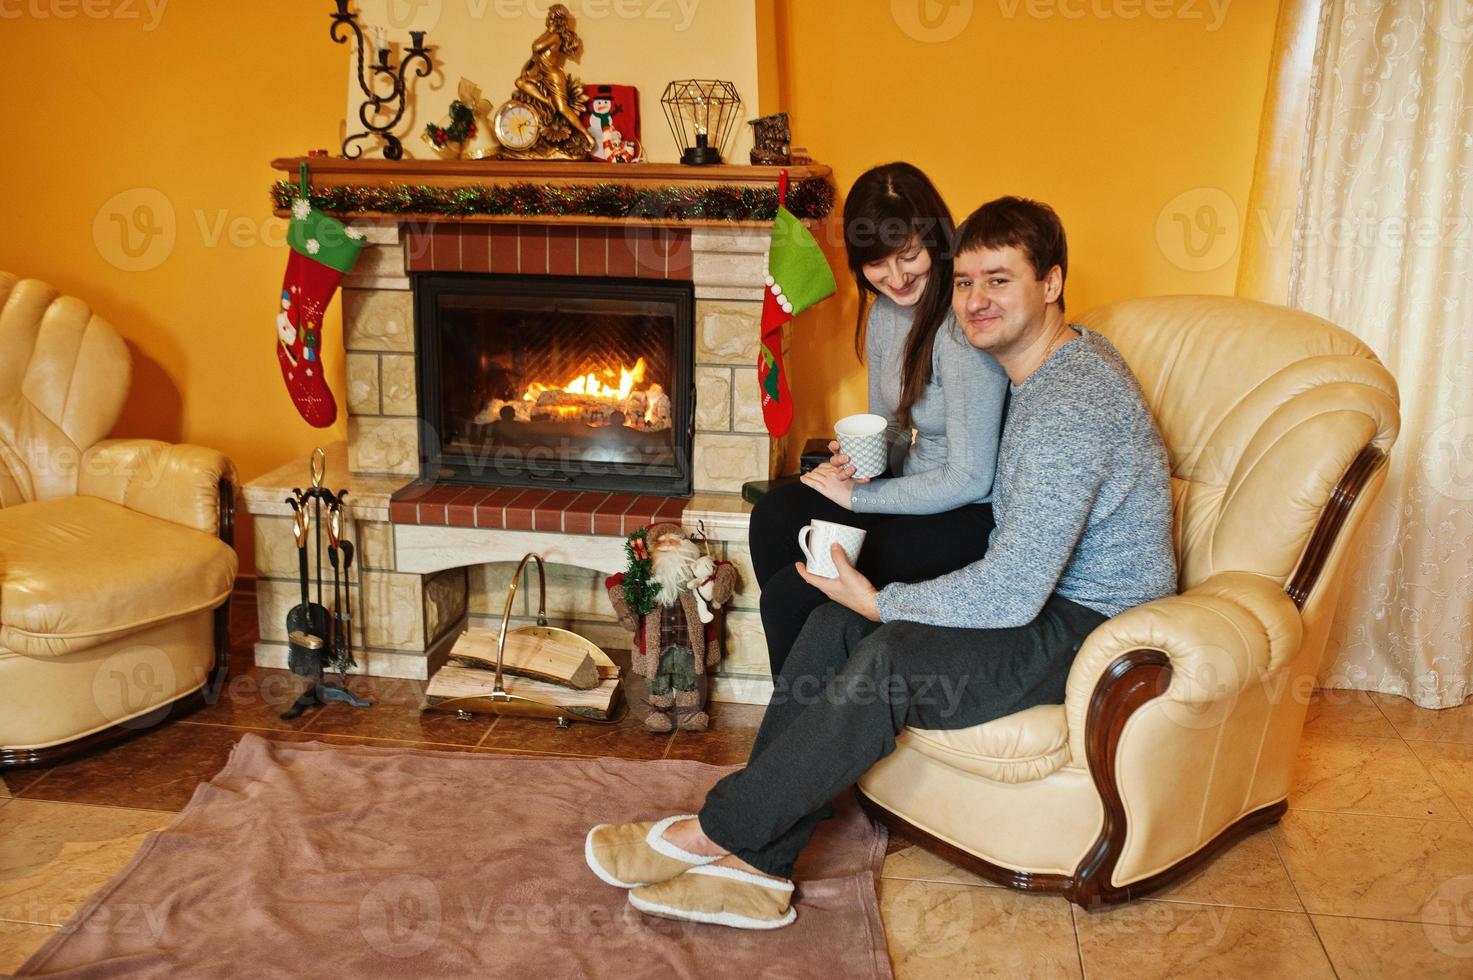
639, 591
809, 199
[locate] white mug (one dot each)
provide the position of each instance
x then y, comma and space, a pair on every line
862, 438
824, 535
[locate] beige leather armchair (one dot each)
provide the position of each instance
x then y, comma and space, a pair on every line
1181, 720
116, 563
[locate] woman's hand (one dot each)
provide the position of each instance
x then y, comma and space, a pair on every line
850, 589
831, 481
841, 462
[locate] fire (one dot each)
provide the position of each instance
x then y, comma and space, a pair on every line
595, 397
590, 385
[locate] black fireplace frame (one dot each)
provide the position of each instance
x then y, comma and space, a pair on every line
553, 474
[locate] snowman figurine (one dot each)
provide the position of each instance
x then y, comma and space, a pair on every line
601, 120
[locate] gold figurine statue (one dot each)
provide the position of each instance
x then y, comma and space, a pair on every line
544, 118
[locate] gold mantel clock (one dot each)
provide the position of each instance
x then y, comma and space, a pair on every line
517, 126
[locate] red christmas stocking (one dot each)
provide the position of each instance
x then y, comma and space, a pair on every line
305, 292
322, 251
777, 400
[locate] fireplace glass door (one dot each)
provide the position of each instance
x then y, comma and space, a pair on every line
582, 383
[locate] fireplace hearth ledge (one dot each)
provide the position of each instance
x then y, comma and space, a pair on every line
414, 593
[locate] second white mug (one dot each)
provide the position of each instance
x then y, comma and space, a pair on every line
816, 541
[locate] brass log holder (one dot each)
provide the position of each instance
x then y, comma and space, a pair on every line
503, 702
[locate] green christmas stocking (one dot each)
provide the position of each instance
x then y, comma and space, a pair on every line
798, 277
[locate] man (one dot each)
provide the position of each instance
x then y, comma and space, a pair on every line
1083, 507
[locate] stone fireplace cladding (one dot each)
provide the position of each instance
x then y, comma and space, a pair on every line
406, 619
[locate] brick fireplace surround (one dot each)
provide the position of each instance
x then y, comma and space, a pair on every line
433, 559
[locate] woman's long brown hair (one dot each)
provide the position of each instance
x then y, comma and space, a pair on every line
887, 209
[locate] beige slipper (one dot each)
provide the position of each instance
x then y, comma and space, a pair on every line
721, 896
628, 855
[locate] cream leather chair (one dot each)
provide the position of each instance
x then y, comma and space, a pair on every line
1178, 733
116, 564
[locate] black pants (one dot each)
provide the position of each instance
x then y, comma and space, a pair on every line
897, 548
849, 688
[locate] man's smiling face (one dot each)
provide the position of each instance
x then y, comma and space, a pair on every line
998, 299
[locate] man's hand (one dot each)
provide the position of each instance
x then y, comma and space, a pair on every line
850, 589
834, 482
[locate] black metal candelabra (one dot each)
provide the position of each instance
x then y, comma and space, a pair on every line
375, 105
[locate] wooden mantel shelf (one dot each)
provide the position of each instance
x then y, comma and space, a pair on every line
459, 173
331, 176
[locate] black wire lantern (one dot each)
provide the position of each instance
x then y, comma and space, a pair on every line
701, 113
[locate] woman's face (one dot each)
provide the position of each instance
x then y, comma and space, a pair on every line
902, 275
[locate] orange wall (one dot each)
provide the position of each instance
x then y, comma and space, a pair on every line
1121, 124
170, 124
181, 116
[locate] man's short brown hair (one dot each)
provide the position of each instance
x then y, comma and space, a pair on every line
1030, 226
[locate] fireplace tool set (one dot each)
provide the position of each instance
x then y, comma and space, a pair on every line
319, 639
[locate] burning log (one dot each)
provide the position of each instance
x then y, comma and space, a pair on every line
648, 411
588, 401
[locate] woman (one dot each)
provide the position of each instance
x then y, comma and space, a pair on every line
943, 399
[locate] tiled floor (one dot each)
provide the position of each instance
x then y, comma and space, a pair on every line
1370, 874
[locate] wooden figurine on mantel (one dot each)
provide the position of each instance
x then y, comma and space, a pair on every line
771, 141
544, 118
671, 598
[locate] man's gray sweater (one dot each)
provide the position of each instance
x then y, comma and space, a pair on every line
1082, 501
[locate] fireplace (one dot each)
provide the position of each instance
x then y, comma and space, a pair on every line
432, 551
577, 382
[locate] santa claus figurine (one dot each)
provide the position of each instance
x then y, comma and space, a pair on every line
670, 598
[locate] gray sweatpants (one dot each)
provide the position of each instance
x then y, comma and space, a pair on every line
850, 686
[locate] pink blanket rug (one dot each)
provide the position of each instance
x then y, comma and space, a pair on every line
305, 859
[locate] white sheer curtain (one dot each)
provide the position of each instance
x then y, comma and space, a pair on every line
1382, 244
